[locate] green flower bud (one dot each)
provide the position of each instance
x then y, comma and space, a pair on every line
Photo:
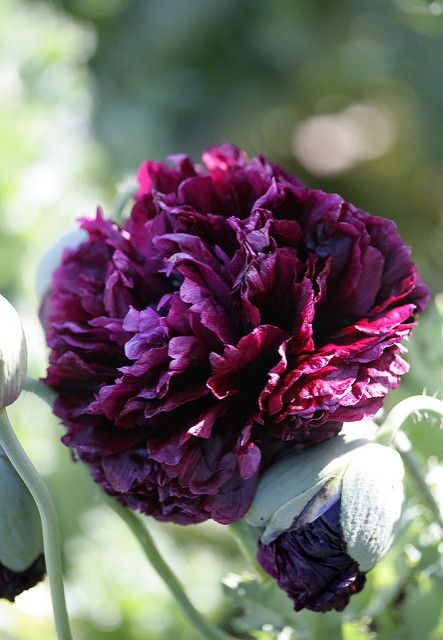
22, 563
20, 528
52, 258
326, 516
13, 354
367, 477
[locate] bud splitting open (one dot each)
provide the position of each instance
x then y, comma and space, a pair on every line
22, 563
328, 515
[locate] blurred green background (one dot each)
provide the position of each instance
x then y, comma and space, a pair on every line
347, 94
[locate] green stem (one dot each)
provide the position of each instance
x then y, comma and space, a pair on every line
125, 192
40, 389
390, 431
247, 540
413, 466
404, 409
48, 515
205, 629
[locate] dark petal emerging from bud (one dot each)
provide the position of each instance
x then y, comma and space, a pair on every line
12, 583
311, 564
22, 563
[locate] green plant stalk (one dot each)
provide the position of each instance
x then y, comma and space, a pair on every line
247, 540
40, 389
126, 191
403, 410
414, 468
390, 433
48, 515
205, 629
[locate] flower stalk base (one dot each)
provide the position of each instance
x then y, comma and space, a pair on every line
205, 629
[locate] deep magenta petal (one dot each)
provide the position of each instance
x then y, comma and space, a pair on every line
312, 565
12, 583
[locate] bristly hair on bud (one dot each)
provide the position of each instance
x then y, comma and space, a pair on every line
13, 354
22, 563
327, 516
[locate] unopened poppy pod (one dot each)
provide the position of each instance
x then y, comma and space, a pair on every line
327, 516
22, 563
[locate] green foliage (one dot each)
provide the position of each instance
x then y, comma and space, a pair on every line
267, 609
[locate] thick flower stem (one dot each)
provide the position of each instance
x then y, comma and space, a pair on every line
247, 540
413, 466
126, 191
40, 389
390, 430
205, 629
402, 411
48, 515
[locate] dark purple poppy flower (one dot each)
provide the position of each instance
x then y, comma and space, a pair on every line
235, 311
12, 583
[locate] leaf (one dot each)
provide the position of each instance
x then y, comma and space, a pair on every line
267, 608
356, 631
422, 613
262, 604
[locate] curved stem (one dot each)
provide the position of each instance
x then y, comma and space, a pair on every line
205, 629
247, 541
40, 389
126, 191
413, 466
391, 429
404, 409
48, 515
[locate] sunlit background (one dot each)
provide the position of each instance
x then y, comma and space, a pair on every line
347, 94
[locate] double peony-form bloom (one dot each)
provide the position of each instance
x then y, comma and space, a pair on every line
235, 314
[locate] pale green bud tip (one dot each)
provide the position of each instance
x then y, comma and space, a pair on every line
52, 258
13, 354
371, 503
